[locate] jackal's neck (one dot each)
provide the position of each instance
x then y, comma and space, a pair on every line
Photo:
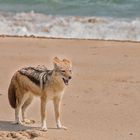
57, 82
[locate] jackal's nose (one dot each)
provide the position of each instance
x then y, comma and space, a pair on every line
70, 77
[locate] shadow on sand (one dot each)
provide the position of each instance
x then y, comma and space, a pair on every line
10, 126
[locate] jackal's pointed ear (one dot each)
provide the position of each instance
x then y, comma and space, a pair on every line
56, 61
67, 62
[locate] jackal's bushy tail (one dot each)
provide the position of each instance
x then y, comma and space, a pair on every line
12, 95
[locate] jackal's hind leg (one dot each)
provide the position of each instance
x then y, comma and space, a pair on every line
19, 102
17, 115
24, 107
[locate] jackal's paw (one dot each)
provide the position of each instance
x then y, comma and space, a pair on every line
18, 123
44, 129
62, 127
26, 121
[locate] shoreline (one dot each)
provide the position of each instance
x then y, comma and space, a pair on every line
32, 36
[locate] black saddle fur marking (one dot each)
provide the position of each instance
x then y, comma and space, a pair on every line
37, 75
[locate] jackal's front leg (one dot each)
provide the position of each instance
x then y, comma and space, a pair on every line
43, 114
57, 103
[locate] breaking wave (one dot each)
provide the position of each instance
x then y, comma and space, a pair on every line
41, 25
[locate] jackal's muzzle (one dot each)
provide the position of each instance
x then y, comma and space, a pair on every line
66, 80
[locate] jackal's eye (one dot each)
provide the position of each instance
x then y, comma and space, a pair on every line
62, 71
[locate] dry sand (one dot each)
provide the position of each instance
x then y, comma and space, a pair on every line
102, 101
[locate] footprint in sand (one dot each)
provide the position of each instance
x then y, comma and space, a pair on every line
21, 135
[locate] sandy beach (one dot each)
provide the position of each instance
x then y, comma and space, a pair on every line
102, 101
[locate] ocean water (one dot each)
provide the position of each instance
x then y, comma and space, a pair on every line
83, 19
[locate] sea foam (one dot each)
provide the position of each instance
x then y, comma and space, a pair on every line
41, 25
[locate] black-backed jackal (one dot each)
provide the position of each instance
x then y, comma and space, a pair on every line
22, 89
